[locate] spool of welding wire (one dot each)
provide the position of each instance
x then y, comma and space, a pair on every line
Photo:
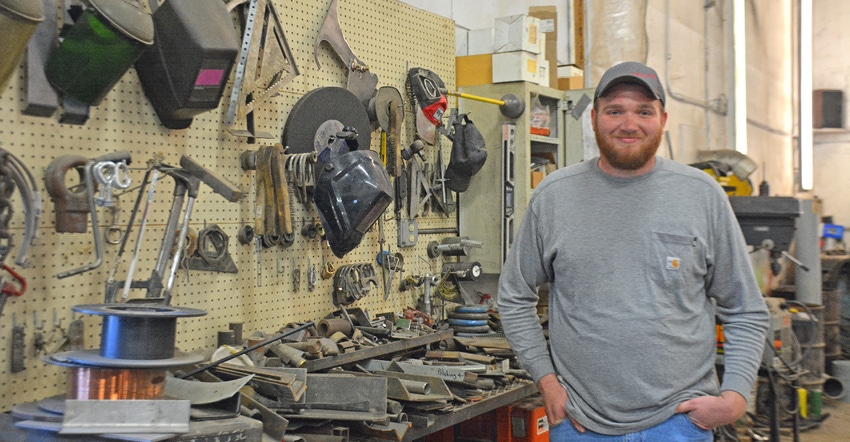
133, 336
467, 322
471, 309
417, 387
96, 383
138, 331
473, 330
455, 315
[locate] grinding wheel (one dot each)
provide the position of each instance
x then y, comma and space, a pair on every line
316, 118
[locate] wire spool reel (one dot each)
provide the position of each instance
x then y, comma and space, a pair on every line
132, 336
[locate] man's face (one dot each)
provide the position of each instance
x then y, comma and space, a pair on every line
628, 123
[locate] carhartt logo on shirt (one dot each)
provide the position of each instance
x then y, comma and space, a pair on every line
672, 263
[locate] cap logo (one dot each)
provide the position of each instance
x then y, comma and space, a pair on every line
642, 75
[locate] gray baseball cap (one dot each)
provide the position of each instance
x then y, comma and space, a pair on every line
631, 72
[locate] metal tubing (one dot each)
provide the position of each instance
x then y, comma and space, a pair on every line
175, 262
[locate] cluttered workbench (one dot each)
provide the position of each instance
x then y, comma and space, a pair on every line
403, 382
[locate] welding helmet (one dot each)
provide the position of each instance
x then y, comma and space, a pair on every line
351, 192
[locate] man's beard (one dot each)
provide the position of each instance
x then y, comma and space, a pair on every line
628, 158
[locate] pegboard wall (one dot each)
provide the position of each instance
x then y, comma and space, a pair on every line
389, 36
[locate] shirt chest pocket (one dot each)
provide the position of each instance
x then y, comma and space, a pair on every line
676, 262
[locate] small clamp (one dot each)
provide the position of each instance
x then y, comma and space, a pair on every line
109, 175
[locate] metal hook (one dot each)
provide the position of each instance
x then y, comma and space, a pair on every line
38, 326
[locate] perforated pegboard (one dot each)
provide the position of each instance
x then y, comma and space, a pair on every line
389, 36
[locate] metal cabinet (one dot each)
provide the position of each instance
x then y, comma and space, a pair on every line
491, 209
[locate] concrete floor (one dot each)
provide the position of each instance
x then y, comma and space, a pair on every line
834, 428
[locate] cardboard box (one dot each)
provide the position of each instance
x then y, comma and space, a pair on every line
568, 70
461, 43
473, 70
570, 83
536, 178
548, 16
480, 41
514, 66
517, 33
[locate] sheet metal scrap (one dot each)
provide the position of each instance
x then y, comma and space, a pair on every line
341, 396
284, 384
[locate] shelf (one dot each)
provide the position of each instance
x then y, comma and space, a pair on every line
543, 139
499, 398
375, 352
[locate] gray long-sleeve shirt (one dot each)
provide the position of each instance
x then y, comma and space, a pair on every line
634, 264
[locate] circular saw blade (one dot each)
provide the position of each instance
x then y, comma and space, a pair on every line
317, 111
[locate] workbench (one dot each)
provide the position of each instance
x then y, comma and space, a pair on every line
497, 399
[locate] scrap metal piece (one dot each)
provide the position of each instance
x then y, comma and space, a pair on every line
451, 374
347, 392
285, 384
361, 82
199, 393
274, 424
125, 416
397, 387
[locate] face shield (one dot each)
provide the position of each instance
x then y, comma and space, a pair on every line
351, 192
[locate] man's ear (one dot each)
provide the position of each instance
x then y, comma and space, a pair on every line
593, 118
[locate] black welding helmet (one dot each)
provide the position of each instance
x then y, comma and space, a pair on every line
351, 192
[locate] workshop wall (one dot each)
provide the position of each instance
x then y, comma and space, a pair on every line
829, 72
390, 36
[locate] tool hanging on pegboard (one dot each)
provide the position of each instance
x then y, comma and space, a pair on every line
265, 64
8, 289
386, 111
272, 211
75, 205
330, 121
15, 175
361, 82
424, 91
187, 180
210, 253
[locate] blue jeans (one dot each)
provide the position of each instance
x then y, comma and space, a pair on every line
678, 428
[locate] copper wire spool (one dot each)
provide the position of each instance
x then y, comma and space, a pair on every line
114, 383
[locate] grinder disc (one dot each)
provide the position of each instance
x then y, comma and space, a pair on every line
315, 118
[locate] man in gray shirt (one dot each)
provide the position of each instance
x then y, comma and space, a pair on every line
641, 253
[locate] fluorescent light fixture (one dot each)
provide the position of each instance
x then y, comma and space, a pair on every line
739, 32
806, 137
